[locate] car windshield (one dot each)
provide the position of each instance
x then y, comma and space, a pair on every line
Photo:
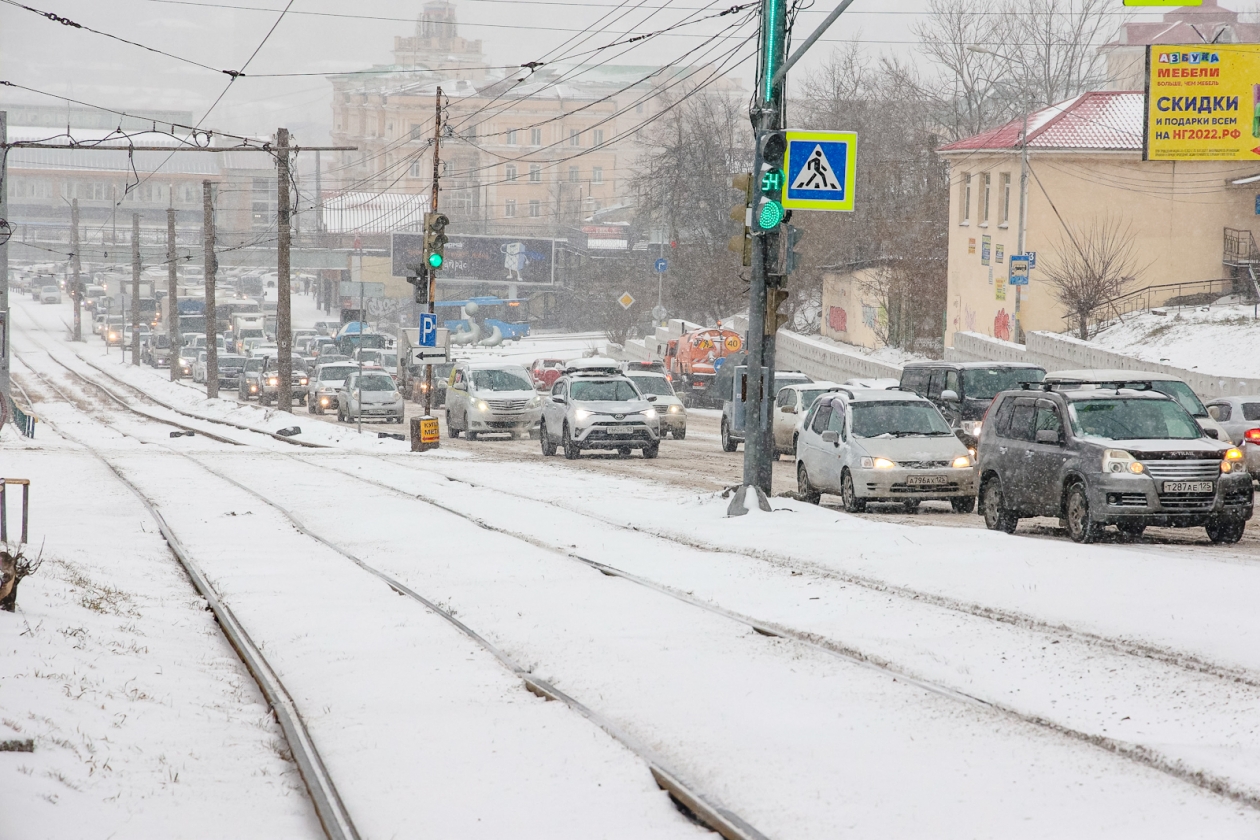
808, 397
658, 385
1182, 393
615, 390
897, 419
231, 363
376, 383
986, 383
1133, 419
500, 380
336, 374
254, 363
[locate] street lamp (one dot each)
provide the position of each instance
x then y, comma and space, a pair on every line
1023, 185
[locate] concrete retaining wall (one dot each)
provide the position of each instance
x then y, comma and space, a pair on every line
825, 361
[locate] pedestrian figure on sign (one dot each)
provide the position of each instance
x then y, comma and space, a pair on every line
818, 171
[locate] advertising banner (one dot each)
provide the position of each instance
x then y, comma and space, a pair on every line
1202, 102
480, 259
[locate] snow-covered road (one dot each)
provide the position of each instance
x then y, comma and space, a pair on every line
905, 682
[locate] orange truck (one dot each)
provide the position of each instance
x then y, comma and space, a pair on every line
694, 358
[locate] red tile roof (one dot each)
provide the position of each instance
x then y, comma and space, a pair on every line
1110, 120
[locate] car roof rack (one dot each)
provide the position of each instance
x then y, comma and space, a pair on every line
1136, 384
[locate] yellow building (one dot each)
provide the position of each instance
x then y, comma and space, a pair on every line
852, 311
1084, 165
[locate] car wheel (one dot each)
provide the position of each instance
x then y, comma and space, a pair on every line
548, 445
728, 445
652, 451
992, 506
679, 434
966, 505
804, 489
341, 415
795, 440
1226, 531
911, 505
848, 492
1080, 523
471, 435
319, 409
571, 450
1131, 530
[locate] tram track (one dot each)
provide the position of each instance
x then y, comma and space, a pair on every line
1135, 752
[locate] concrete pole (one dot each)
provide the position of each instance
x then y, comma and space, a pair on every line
76, 291
172, 287
135, 288
284, 323
211, 266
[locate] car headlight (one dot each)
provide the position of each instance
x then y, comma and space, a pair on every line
675, 409
649, 413
582, 415
972, 427
302, 380
323, 400
535, 401
961, 462
1119, 461
1232, 457
878, 464
481, 405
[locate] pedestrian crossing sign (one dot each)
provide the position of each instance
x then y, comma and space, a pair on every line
820, 167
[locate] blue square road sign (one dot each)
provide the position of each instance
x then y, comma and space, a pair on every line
428, 330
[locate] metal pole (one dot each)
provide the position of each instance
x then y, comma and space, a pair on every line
211, 266
359, 381
4, 260
809, 42
766, 115
135, 288
76, 290
284, 322
172, 290
1023, 216
433, 208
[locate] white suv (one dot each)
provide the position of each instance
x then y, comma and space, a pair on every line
596, 407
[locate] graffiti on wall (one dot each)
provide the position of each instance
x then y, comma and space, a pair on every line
838, 319
1002, 325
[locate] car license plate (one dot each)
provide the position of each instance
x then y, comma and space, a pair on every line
1187, 487
922, 480
615, 431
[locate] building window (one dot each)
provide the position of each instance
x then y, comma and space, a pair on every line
1006, 198
535, 172
984, 198
535, 209
415, 168
511, 137
598, 137
509, 172
575, 137
575, 174
964, 199
416, 128
509, 209
535, 137
597, 174
262, 202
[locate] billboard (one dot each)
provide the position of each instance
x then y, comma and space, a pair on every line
1202, 102
481, 259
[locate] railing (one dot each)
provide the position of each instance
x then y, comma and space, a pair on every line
1240, 247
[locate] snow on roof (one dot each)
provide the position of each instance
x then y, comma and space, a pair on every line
1109, 120
368, 212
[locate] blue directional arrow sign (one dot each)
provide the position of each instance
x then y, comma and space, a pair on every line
661, 265
821, 167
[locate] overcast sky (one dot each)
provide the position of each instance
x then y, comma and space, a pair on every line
324, 36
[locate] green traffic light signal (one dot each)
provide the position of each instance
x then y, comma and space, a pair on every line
435, 260
769, 214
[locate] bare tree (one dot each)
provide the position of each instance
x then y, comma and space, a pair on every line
1094, 264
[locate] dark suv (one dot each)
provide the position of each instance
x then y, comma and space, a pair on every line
963, 390
1125, 457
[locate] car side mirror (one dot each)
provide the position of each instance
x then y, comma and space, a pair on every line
788, 409
558, 399
1048, 436
651, 397
1212, 433
831, 436
949, 395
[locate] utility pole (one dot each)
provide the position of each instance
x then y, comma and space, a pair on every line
4, 263
135, 288
433, 208
284, 330
766, 115
172, 289
211, 266
76, 290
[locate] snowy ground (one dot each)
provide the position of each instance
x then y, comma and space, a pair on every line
1218, 339
916, 681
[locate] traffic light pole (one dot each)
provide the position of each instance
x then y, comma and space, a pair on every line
433, 206
766, 116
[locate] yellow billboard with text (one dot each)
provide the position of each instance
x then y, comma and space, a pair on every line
1202, 102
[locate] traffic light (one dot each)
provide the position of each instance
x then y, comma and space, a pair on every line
768, 213
775, 297
421, 282
791, 259
741, 243
435, 239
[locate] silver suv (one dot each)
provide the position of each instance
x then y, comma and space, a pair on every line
596, 407
1128, 457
